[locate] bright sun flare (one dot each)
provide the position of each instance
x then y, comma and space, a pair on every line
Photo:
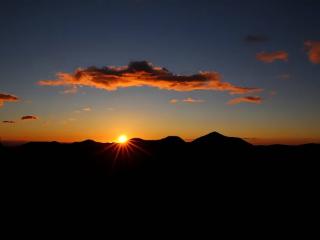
122, 139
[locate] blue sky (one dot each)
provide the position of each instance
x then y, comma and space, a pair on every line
41, 38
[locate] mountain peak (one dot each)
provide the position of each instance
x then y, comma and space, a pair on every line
216, 134
211, 136
217, 139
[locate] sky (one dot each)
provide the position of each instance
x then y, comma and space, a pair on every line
75, 70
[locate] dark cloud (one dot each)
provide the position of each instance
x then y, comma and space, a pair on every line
29, 117
256, 38
313, 48
143, 73
7, 98
272, 56
248, 99
8, 121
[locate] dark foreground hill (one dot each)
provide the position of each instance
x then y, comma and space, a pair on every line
212, 174
211, 158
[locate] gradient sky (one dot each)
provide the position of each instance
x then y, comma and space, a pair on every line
272, 45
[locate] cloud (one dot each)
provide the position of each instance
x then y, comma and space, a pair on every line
70, 90
84, 109
186, 100
313, 48
29, 117
285, 76
248, 99
143, 73
192, 100
256, 38
173, 101
7, 98
272, 56
8, 122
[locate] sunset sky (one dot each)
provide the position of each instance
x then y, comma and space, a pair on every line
96, 69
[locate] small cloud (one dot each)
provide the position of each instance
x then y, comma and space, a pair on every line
7, 98
285, 76
256, 38
110, 109
173, 101
248, 99
192, 100
143, 73
313, 49
29, 117
70, 90
272, 56
85, 109
8, 122
186, 100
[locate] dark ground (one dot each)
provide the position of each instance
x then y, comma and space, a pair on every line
213, 177
211, 160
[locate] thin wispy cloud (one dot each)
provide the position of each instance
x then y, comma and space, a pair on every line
186, 100
272, 56
143, 73
70, 90
174, 101
8, 121
313, 49
4, 97
84, 109
248, 99
29, 117
192, 100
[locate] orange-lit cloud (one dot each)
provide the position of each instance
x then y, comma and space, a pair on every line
29, 117
192, 100
138, 74
313, 48
186, 100
272, 56
7, 98
173, 101
8, 122
248, 99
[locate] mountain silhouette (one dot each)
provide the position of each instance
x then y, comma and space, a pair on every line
213, 160
173, 140
216, 139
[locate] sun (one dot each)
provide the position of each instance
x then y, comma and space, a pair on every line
122, 139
